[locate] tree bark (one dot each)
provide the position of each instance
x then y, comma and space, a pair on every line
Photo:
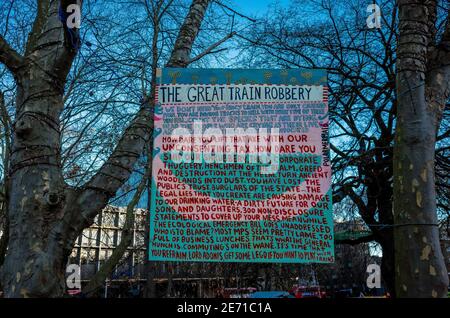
420, 268
388, 261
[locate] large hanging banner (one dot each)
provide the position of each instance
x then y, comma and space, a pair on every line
241, 167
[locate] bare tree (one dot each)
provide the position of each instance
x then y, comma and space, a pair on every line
360, 64
46, 214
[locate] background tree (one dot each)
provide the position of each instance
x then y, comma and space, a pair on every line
361, 64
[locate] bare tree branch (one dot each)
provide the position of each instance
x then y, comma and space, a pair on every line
210, 49
116, 170
9, 56
363, 239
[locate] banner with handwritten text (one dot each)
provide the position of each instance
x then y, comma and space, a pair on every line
241, 167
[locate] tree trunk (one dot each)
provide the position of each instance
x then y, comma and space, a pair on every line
388, 262
35, 260
420, 268
39, 242
385, 234
4, 119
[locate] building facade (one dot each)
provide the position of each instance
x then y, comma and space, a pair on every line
186, 279
98, 242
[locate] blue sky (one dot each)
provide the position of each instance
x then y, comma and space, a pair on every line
255, 7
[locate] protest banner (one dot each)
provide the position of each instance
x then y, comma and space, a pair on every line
241, 167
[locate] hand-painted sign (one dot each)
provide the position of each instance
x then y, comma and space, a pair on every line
241, 167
